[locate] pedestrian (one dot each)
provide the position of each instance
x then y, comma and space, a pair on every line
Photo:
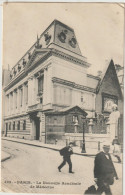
116, 149
66, 152
104, 171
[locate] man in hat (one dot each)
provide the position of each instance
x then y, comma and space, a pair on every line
66, 152
104, 170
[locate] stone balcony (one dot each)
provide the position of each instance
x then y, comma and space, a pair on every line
33, 108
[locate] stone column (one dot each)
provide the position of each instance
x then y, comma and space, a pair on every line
33, 131
11, 103
30, 89
45, 87
34, 90
24, 102
18, 99
21, 125
16, 125
8, 104
14, 102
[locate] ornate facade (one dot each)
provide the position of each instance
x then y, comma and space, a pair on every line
51, 76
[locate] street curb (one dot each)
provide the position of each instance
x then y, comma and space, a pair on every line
82, 154
6, 158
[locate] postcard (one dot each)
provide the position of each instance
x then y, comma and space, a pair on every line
62, 98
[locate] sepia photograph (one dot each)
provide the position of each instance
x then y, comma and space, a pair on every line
62, 98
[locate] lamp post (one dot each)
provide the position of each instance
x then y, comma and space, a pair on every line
83, 144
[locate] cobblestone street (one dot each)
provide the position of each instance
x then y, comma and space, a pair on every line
34, 170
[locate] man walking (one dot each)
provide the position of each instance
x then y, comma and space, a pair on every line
66, 152
104, 171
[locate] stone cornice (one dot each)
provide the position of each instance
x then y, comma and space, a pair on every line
93, 77
48, 52
73, 84
14, 81
70, 58
15, 116
41, 60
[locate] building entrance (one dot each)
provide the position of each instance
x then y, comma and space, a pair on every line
37, 124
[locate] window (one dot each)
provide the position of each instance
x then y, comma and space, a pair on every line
26, 94
40, 84
81, 97
75, 119
18, 125
21, 96
24, 125
10, 126
14, 125
41, 100
8, 102
108, 101
11, 101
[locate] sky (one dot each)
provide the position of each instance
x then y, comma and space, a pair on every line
99, 29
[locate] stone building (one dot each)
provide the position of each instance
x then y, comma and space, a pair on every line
50, 92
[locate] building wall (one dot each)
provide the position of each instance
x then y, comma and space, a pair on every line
22, 132
55, 128
69, 71
68, 96
5, 81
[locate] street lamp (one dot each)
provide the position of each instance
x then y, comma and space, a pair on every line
83, 144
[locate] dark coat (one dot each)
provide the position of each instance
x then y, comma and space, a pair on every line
103, 166
66, 151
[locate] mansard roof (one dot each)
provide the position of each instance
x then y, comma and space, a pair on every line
57, 36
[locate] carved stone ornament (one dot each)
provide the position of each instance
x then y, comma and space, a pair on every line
11, 75
14, 71
29, 55
38, 45
47, 38
73, 42
24, 62
19, 67
62, 37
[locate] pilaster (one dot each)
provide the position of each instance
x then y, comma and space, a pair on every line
18, 99
30, 89
34, 90
24, 102
33, 131
9, 104
42, 126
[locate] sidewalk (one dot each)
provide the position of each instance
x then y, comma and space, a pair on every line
4, 156
56, 147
